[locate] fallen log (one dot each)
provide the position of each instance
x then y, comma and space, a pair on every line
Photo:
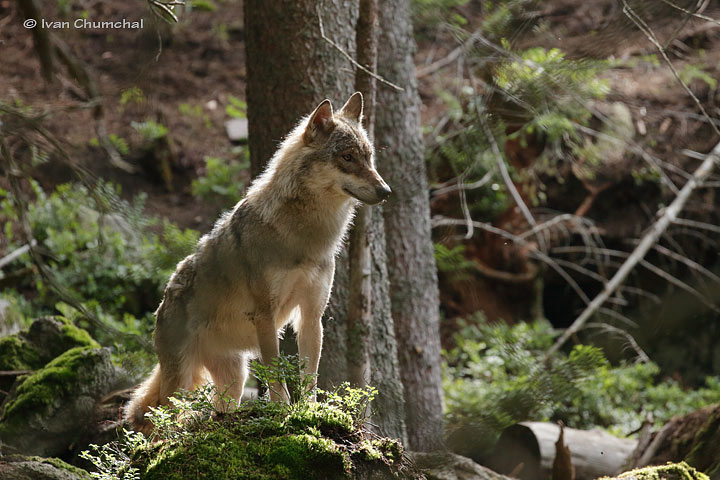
527, 450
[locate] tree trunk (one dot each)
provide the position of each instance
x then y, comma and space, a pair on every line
411, 264
290, 70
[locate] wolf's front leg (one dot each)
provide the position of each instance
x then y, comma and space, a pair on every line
269, 350
309, 329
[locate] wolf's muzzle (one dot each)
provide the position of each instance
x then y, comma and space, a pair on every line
383, 191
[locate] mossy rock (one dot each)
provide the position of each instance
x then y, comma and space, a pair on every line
19, 467
47, 338
270, 441
51, 409
670, 471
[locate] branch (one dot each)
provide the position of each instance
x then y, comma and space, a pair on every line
646, 243
351, 59
645, 28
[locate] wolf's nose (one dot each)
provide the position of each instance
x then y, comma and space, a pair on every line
383, 191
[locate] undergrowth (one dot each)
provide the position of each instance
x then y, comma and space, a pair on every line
496, 376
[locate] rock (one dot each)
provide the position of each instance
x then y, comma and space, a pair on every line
237, 129
450, 466
17, 467
46, 339
53, 408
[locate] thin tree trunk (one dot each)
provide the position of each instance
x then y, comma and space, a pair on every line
41, 39
360, 313
411, 264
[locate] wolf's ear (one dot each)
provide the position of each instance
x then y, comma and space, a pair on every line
353, 108
321, 122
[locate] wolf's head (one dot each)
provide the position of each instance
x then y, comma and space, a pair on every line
343, 158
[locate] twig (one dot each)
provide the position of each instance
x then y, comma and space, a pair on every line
619, 331
690, 12
458, 184
15, 254
438, 221
647, 242
15, 373
508, 181
351, 59
645, 28
695, 224
449, 58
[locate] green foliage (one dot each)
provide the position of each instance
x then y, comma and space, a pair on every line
222, 181
150, 129
431, 14
203, 5
195, 111
260, 440
118, 260
132, 95
496, 376
552, 88
697, 72
535, 96
451, 259
119, 143
236, 108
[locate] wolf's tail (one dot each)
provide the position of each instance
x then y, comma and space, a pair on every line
146, 395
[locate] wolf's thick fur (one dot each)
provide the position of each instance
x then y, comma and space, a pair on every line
268, 262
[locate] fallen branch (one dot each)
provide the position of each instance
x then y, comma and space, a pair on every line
647, 242
15, 254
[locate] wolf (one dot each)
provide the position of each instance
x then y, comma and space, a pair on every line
268, 262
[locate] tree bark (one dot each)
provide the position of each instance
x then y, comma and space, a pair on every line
411, 264
291, 68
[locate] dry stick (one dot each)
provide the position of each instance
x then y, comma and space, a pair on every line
351, 59
360, 260
645, 28
508, 181
619, 331
15, 254
690, 12
450, 58
647, 242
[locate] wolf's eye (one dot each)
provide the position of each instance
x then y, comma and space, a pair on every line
347, 157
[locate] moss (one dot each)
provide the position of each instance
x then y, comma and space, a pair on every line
42, 388
267, 440
59, 464
73, 336
17, 354
325, 418
671, 471
55, 336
